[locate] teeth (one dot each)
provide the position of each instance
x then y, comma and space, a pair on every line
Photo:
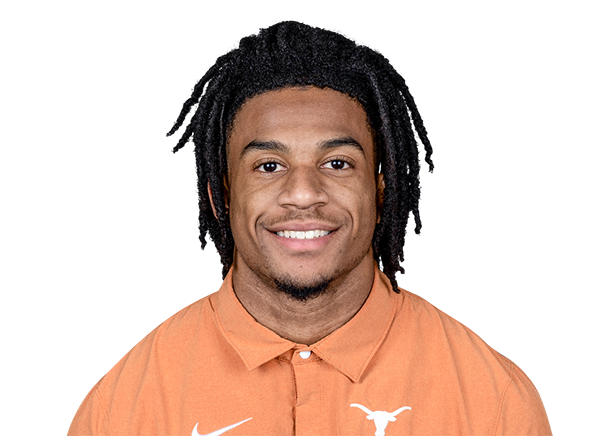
297, 234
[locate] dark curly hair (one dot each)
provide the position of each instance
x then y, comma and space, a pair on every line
291, 54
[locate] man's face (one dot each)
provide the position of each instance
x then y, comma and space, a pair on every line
302, 186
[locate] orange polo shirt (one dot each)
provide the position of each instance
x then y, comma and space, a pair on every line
399, 367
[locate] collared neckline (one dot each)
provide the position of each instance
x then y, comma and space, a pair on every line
349, 349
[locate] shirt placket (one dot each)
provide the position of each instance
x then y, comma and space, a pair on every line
308, 392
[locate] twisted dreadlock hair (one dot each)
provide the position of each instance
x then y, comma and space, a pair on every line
291, 54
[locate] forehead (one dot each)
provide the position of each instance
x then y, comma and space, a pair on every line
297, 114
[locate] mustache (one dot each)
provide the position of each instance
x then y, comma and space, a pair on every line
300, 216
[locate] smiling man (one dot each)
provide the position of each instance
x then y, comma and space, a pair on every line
307, 173
302, 196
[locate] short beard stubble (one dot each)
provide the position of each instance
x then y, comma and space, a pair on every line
302, 292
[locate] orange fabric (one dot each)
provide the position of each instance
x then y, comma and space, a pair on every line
212, 365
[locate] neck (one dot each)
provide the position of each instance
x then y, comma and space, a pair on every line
303, 322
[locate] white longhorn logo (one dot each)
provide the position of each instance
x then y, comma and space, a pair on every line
380, 417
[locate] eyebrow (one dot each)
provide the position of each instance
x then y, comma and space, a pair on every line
258, 145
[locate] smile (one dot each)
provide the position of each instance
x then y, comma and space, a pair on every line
299, 234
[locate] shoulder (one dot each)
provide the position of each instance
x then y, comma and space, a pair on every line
446, 335
460, 364
144, 369
521, 410
176, 336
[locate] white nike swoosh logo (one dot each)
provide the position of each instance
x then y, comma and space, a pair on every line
218, 432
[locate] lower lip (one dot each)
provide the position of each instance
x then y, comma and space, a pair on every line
303, 244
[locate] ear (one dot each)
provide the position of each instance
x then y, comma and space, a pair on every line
225, 194
212, 204
380, 189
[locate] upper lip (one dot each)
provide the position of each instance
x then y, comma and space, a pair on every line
302, 226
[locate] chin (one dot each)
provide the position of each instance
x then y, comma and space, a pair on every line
303, 287
302, 290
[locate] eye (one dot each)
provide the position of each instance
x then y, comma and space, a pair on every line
270, 167
337, 164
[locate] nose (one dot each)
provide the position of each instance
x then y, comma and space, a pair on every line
303, 188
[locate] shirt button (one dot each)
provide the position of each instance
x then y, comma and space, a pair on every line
305, 354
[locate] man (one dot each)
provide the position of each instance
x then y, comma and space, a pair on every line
308, 170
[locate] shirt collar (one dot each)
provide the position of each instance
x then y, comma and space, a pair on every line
349, 348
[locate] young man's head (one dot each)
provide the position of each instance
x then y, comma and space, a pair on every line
291, 134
